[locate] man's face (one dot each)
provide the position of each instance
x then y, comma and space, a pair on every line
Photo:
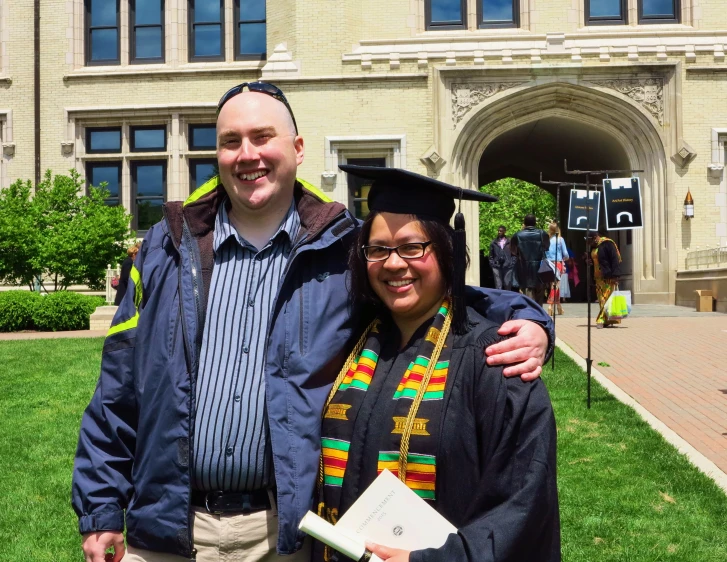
500, 232
258, 152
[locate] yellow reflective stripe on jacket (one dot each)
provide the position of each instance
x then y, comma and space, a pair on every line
202, 190
134, 276
315, 191
126, 325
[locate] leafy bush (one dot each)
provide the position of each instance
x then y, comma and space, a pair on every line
65, 310
16, 310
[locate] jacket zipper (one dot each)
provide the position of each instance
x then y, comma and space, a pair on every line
194, 262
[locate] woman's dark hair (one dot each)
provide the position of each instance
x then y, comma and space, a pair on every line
439, 233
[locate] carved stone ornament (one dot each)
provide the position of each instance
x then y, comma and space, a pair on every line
685, 154
715, 170
433, 161
328, 180
647, 92
466, 96
8, 149
67, 148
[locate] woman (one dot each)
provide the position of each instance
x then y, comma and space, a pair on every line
606, 261
125, 272
565, 279
416, 396
557, 254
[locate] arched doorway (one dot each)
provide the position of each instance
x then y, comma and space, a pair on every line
541, 145
531, 127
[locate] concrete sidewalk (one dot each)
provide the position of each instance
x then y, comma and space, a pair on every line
52, 335
675, 366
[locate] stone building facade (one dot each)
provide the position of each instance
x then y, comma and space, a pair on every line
468, 91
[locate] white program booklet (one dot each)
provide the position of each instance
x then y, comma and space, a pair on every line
390, 514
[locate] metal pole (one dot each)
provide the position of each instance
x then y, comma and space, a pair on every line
589, 361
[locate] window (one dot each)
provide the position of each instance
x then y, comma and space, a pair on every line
498, 13
659, 11
109, 172
358, 188
201, 170
202, 137
250, 29
149, 192
147, 30
606, 12
206, 36
103, 139
148, 138
102, 32
445, 14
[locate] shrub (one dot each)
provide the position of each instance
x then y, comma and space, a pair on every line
16, 310
65, 310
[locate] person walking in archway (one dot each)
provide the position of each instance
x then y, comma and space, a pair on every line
529, 246
557, 254
501, 260
606, 261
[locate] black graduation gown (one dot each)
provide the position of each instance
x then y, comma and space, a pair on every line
496, 464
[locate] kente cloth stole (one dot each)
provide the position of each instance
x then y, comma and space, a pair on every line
414, 434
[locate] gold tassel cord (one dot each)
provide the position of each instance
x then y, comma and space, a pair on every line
404, 449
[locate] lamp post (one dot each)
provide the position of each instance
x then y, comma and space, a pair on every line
688, 206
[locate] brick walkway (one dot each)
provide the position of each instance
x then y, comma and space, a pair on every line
676, 368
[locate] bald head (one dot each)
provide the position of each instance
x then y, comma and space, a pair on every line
248, 104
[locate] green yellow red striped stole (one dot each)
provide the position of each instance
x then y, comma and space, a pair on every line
421, 473
414, 435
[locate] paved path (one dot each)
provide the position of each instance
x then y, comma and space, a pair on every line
674, 365
52, 335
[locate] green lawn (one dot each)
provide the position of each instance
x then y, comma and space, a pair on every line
625, 494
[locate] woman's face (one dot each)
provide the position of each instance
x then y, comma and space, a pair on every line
411, 289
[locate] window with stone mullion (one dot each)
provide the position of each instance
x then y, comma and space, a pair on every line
250, 30
606, 12
147, 31
445, 14
659, 11
102, 32
498, 13
206, 30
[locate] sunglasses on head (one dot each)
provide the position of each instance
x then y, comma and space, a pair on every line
261, 87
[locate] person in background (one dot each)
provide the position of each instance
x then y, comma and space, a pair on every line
501, 260
529, 246
556, 254
416, 397
566, 277
125, 271
606, 260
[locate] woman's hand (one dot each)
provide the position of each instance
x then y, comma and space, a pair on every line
386, 553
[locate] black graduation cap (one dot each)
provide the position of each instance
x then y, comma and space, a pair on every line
399, 191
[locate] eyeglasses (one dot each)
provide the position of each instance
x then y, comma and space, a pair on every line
408, 251
260, 87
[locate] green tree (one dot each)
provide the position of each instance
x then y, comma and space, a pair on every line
517, 199
60, 233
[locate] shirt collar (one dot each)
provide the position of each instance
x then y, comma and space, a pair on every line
224, 229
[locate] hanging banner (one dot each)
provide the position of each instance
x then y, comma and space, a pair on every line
581, 211
622, 199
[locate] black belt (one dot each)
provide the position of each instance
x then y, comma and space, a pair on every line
218, 502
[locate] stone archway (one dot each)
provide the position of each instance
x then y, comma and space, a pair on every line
634, 132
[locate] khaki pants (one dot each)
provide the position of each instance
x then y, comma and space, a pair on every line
229, 538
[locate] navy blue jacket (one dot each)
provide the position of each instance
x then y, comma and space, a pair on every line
134, 451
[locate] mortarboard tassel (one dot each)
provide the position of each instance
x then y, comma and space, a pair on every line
460, 324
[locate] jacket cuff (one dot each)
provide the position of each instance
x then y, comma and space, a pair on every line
101, 521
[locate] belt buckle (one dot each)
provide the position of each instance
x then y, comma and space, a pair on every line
217, 495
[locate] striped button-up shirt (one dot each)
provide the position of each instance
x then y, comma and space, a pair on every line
231, 443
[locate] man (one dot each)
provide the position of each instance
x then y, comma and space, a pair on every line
203, 434
501, 260
529, 246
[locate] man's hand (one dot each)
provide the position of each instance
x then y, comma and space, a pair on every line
95, 545
524, 353
386, 553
